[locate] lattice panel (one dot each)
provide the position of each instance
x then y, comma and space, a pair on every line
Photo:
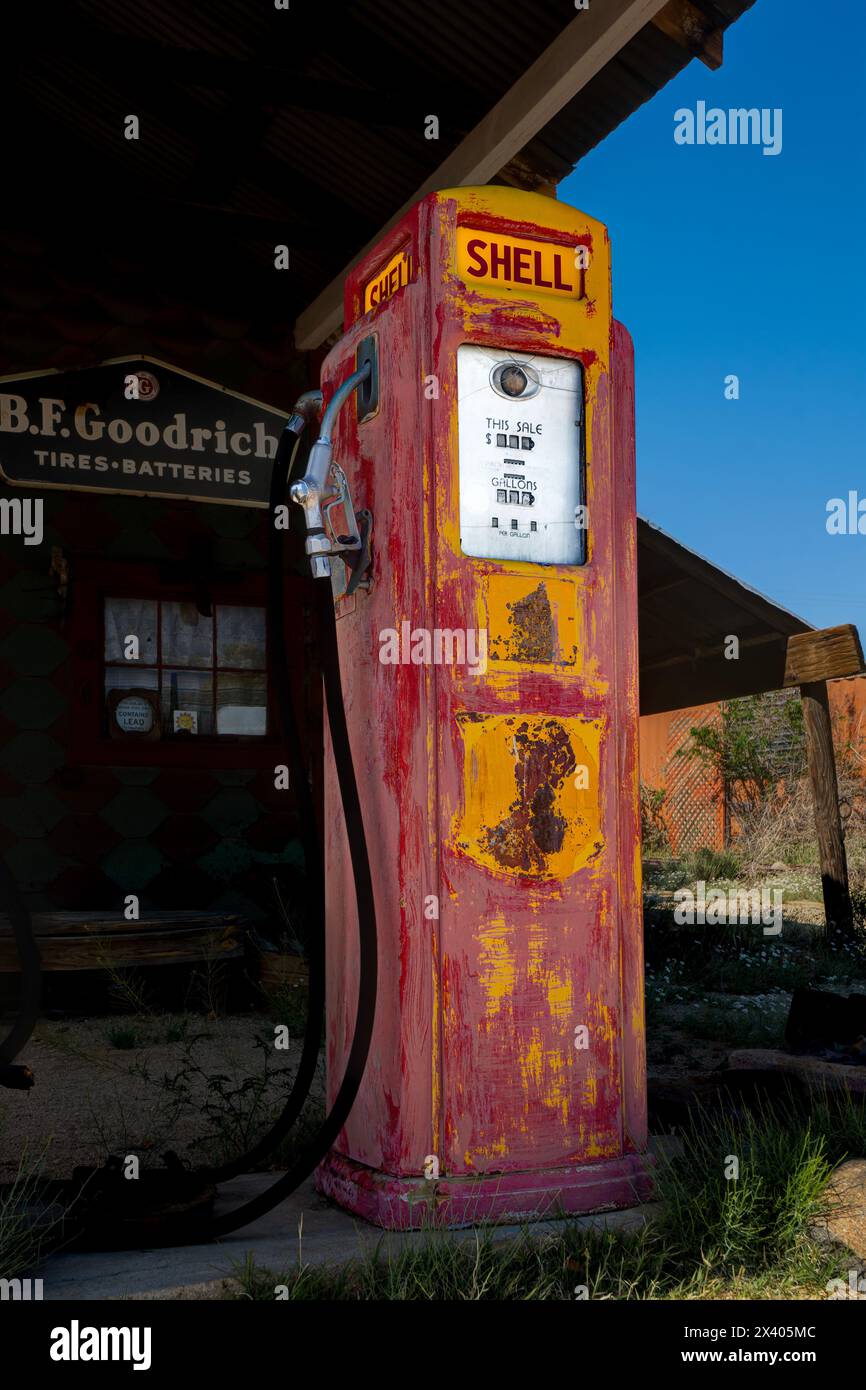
693, 808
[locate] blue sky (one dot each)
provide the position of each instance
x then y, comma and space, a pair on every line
726, 260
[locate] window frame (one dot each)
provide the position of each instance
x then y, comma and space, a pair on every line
162, 665
89, 743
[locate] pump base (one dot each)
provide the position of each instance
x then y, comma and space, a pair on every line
401, 1203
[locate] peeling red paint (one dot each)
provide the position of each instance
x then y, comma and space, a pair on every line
509, 226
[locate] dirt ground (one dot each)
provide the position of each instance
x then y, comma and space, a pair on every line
208, 1087
186, 1083
672, 1054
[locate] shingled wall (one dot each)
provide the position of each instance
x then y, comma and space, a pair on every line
79, 837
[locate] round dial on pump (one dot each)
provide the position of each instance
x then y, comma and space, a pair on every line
515, 380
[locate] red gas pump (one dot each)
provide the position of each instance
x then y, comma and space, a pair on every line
471, 500
479, 534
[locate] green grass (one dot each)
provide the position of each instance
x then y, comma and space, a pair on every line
841, 1118
716, 1237
755, 1026
761, 1218
20, 1243
709, 865
576, 1265
123, 1038
741, 960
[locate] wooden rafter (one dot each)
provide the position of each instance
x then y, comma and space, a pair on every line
688, 26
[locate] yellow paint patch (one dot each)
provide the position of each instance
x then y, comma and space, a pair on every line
497, 966
558, 988
525, 810
531, 622
531, 1063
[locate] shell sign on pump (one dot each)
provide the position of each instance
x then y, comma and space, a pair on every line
496, 749
514, 263
386, 282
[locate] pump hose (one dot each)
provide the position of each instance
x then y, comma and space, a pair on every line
313, 1153
180, 1227
315, 946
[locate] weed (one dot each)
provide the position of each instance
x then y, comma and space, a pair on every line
289, 1005
760, 1218
654, 833
755, 1026
234, 1112
741, 960
710, 865
125, 1039
717, 1237
21, 1241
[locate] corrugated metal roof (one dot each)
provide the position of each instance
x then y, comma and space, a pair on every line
262, 126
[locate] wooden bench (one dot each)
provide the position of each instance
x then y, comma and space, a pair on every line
106, 941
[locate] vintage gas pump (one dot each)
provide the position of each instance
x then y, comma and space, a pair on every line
471, 500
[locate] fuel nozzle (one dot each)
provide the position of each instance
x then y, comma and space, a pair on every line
306, 408
323, 492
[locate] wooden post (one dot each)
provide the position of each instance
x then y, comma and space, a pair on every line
828, 822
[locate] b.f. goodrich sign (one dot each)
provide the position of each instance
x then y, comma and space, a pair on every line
136, 425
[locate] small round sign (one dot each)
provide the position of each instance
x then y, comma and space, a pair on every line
134, 715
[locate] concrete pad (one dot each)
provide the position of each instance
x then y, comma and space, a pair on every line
302, 1229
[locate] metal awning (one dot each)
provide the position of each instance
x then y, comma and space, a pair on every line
687, 609
305, 126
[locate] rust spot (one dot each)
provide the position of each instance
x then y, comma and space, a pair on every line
532, 830
532, 637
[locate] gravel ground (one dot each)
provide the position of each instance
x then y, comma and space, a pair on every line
93, 1097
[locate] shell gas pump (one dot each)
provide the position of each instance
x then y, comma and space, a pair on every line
471, 501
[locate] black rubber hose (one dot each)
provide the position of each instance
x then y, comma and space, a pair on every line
310, 1157
313, 1153
298, 780
31, 967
